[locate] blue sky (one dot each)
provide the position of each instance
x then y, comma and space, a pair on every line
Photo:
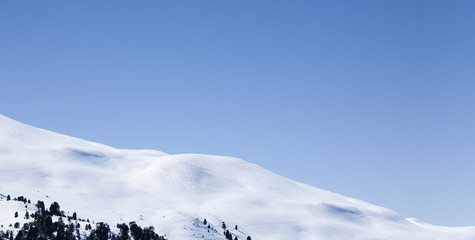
370, 99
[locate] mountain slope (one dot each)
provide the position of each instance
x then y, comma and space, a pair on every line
171, 191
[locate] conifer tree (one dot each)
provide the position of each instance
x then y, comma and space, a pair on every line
41, 206
124, 231
19, 235
55, 209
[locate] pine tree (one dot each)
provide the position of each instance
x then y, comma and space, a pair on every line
19, 235
228, 235
32, 233
102, 231
248, 238
124, 231
16, 214
135, 230
55, 209
41, 206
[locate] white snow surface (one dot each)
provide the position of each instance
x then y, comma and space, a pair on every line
170, 192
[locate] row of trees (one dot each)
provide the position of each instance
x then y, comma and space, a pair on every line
102, 232
227, 234
20, 199
44, 228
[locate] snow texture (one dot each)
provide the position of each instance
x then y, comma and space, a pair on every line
174, 193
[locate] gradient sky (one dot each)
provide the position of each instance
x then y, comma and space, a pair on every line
371, 99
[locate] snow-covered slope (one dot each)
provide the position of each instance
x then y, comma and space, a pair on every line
171, 191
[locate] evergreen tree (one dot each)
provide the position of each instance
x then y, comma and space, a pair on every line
60, 234
248, 238
8, 198
19, 235
135, 230
124, 231
55, 209
41, 206
32, 232
16, 214
102, 231
48, 226
149, 233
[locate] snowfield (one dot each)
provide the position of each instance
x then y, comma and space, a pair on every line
170, 192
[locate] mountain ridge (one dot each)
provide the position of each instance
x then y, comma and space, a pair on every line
171, 190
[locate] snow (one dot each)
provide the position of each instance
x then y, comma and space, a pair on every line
170, 192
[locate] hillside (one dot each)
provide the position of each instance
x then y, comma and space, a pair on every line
170, 192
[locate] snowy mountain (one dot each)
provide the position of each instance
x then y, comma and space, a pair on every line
170, 192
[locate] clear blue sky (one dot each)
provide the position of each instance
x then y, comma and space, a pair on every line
371, 99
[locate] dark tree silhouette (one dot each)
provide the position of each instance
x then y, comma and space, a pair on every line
41, 206
124, 231
55, 209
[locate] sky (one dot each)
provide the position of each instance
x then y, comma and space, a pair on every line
370, 99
